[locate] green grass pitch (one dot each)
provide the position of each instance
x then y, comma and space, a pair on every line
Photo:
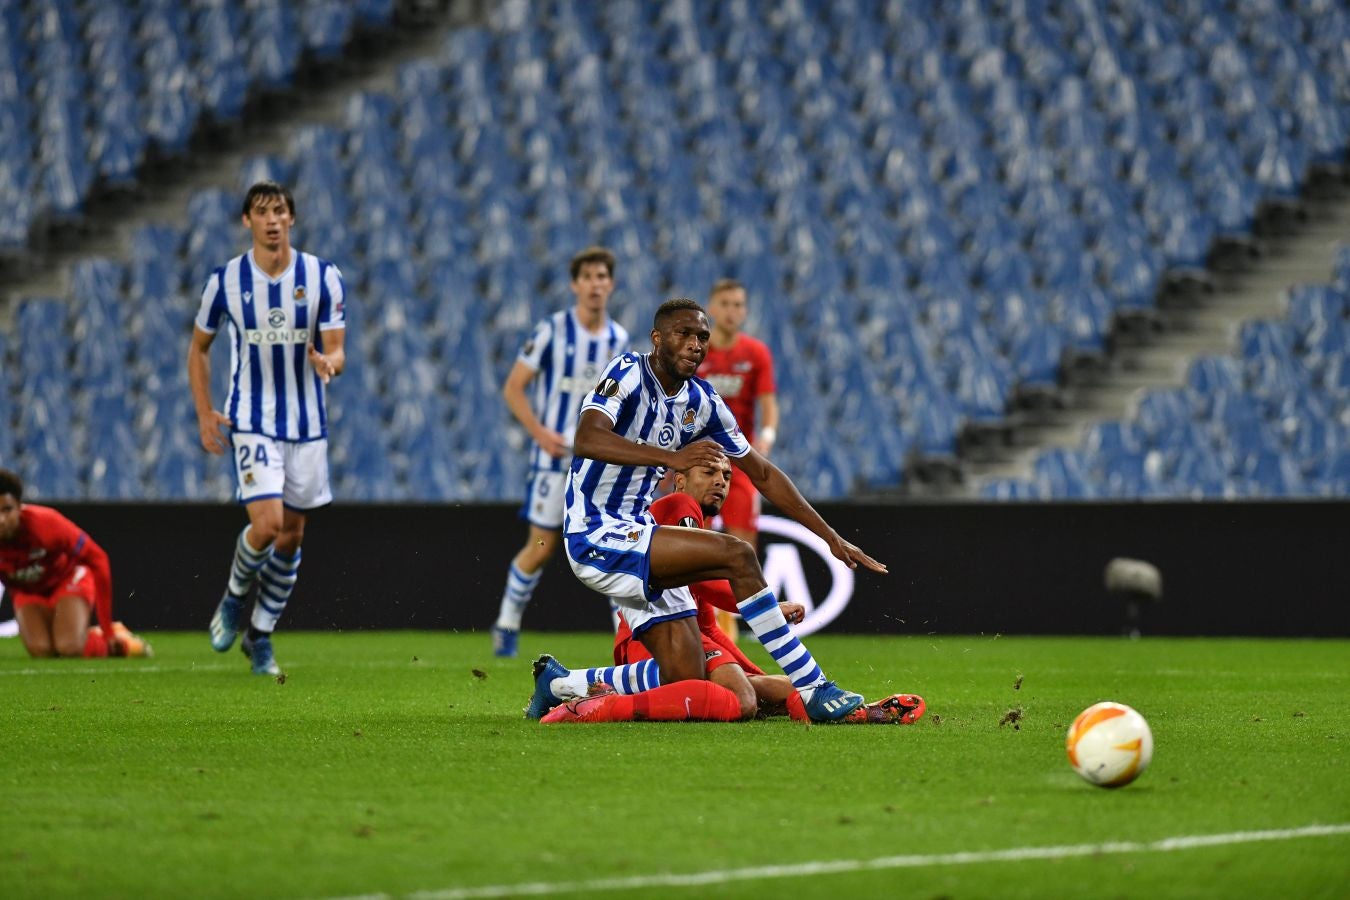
397, 763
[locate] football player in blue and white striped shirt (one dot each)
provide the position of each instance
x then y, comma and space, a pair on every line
559, 365
648, 413
287, 328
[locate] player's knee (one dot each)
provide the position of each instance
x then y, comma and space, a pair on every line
264, 532
745, 694
743, 557
69, 647
39, 649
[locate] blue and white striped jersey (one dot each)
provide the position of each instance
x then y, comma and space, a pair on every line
567, 360
600, 494
273, 388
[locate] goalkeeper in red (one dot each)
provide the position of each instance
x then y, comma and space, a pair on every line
57, 577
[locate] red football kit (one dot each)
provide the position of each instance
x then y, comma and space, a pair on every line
718, 648
741, 374
50, 557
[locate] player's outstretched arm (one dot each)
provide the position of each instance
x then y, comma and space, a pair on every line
595, 439
782, 493
209, 420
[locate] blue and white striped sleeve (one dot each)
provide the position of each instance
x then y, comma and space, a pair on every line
332, 300
532, 354
212, 307
619, 386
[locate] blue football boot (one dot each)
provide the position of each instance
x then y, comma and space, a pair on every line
830, 703
504, 641
260, 655
546, 668
225, 622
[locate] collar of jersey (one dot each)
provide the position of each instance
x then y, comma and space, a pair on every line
669, 398
295, 255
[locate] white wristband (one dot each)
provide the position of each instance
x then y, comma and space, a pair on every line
768, 434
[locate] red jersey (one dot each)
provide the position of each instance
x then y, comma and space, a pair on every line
741, 374
681, 509
45, 550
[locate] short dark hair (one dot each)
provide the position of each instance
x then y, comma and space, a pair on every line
670, 307
268, 189
592, 254
11, 483
725, 284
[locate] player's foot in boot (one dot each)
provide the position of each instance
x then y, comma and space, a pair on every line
131, 644
259, 653
225, 623
897, 709
580, 708
831, 703
545, 669
504, 641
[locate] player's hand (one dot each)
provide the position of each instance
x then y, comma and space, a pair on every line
213, 439
793, 612
700, 453
853, 556
323, 366
116, 647
552, 443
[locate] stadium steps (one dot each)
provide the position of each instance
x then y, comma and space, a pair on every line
1205, 326
162, 196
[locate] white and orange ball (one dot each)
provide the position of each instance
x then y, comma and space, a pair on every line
1109, 744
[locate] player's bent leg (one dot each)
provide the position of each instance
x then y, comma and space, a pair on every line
70, 626
733, 678
684, 701
35, 629
677, 647
681, 556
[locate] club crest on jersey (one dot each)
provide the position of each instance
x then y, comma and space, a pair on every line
299, 292
249, 479
687, 423
276, 318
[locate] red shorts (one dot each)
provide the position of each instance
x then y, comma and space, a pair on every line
715, 655
80, 583
741, 508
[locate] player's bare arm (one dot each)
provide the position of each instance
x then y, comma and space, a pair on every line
766, 435
513, 392
595, 439
782, 493
333, 359
210, 421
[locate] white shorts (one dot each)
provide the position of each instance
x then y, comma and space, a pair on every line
614, 561
544, 499
295, 471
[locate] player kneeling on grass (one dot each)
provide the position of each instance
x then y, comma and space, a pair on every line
599, 695
56, 574
649, 412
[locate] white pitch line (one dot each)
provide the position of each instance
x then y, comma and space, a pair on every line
833, 867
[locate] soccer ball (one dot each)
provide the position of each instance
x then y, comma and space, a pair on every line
1109, 744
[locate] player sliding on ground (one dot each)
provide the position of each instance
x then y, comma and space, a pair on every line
56, 575
649, 412
599, 694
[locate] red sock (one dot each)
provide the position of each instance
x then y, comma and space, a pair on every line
796, 708
95, 644
678, 702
